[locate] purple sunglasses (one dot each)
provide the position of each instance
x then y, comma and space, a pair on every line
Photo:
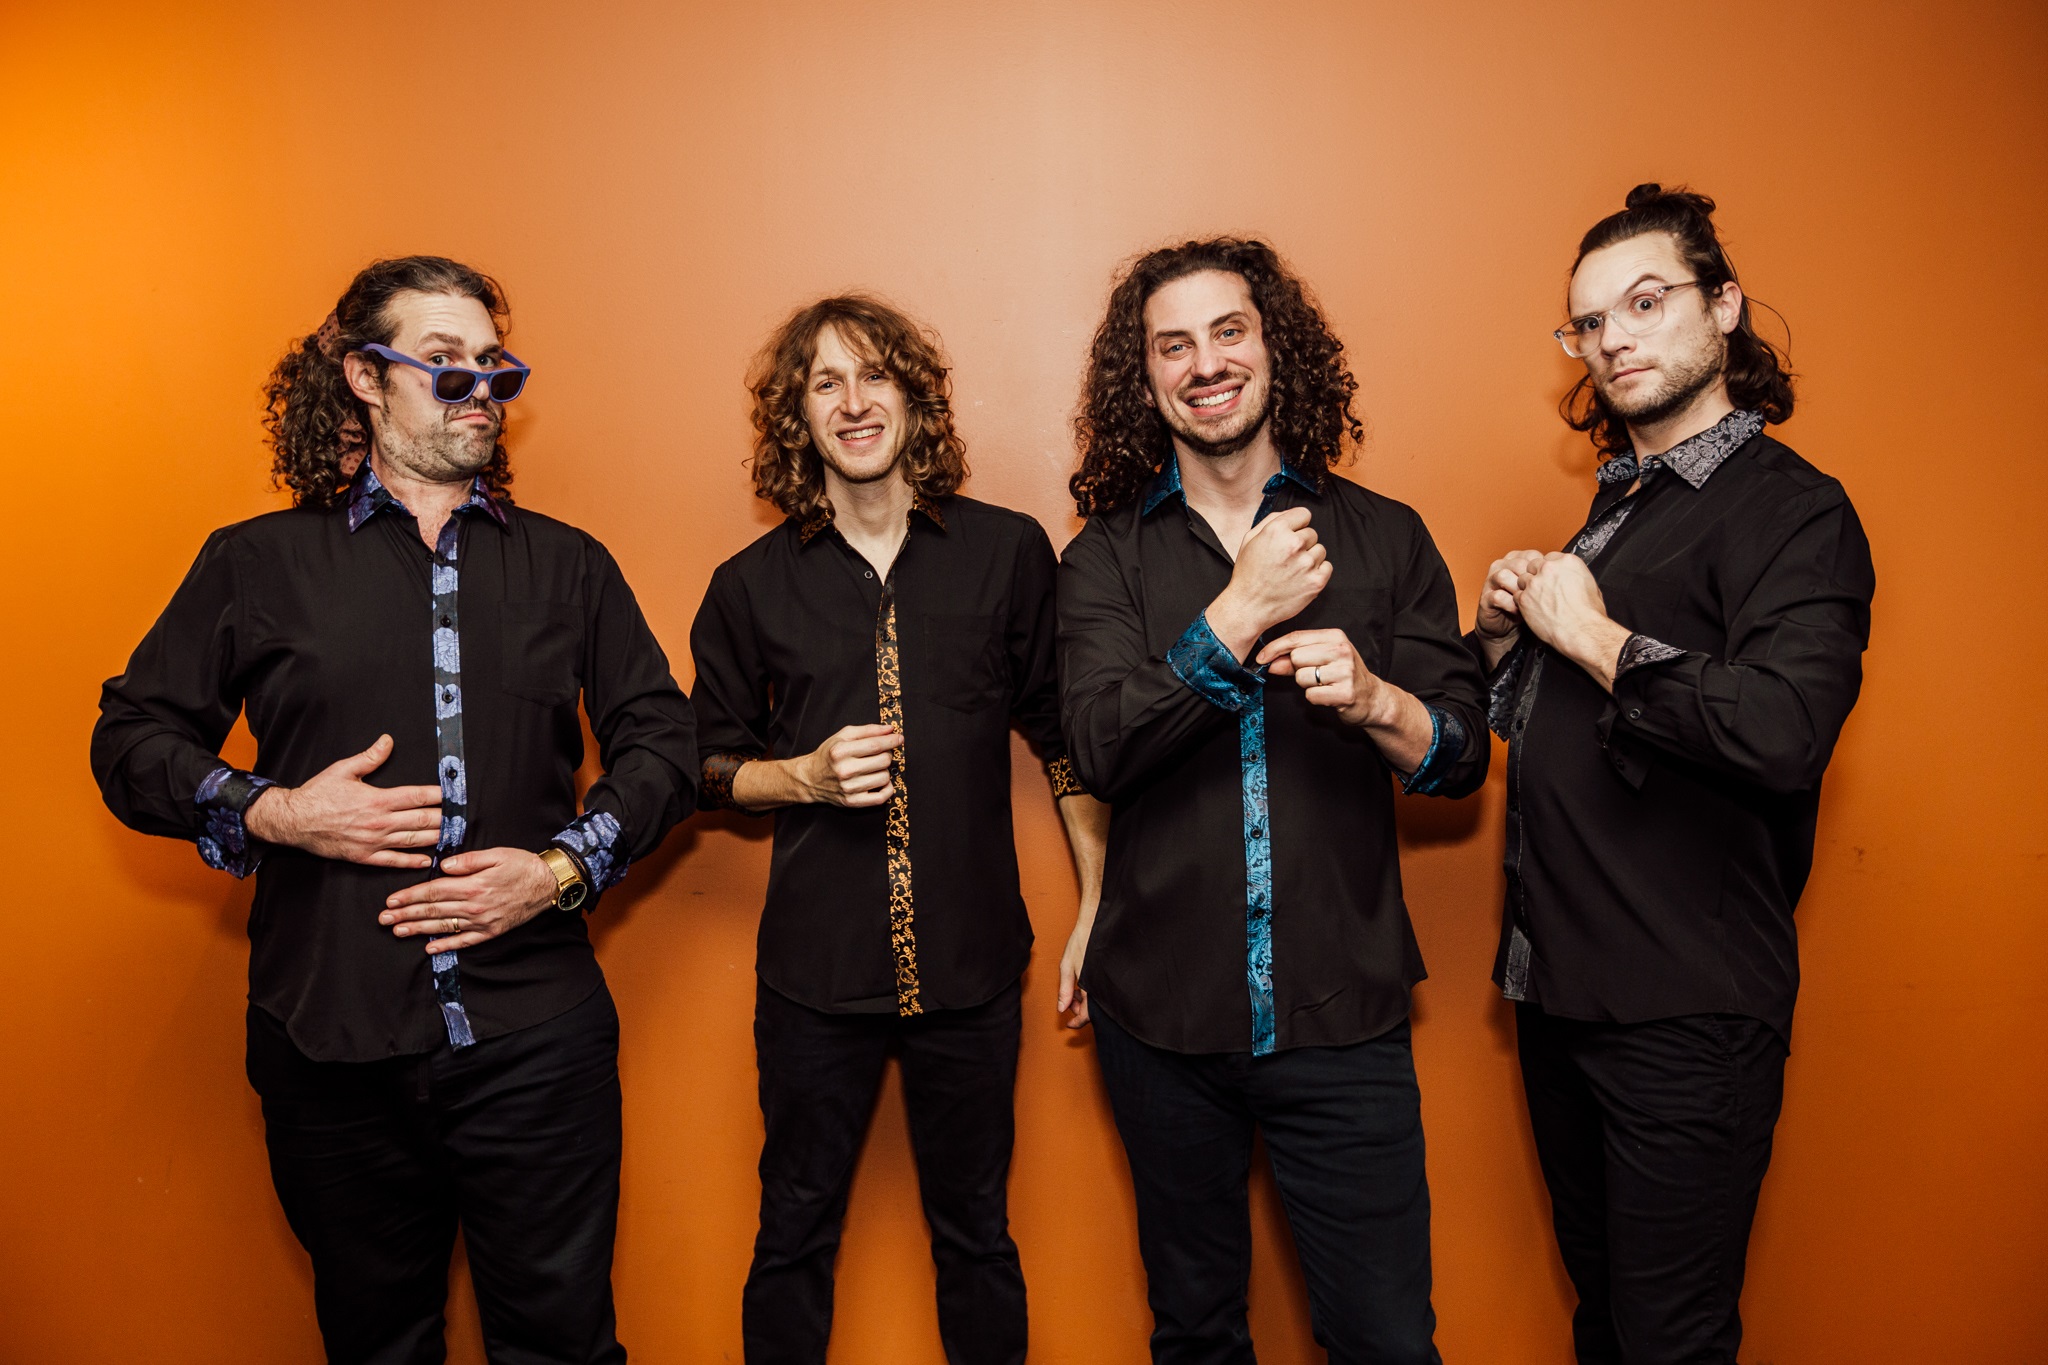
455, 384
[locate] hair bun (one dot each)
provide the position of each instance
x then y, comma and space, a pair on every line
1650, 192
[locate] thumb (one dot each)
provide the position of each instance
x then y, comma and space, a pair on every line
368, 761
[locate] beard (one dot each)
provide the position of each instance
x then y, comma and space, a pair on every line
1683, 381
1217, 445
442, 451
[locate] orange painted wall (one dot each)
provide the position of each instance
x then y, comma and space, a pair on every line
185, 188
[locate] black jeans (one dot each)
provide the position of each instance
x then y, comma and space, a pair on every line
819, 1077
515, 1138
1654, 1139
1343, 1126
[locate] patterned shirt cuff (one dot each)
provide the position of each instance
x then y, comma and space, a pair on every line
714, 781
1639, 650
1065, 781
593, 839
224, 842
1210, 670
1446, 749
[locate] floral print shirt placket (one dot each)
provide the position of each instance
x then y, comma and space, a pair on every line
1207, 666
1511, 695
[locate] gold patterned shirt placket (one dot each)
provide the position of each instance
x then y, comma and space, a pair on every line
902, 917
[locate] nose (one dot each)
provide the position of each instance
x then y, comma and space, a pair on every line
1614, 341
1209, 363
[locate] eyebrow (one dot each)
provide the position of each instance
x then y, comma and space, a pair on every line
1634, 285
455, 342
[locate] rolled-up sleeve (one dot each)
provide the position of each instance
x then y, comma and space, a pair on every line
1771, 709
1126, 713
1031, 643
731, 692
646, 734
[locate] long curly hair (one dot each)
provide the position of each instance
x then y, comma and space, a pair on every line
1757, 375
788, 471
1123, 439
318, 427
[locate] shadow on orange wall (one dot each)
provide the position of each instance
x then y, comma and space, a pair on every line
184, 191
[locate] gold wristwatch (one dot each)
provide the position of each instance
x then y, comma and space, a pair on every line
570, 888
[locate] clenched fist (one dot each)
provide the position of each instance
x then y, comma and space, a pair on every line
1281, 568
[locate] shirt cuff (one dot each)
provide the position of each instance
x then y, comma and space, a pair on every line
593, 838
1210, 670
224, 842
1639, 650
1065, 781
1446, 748
714, 781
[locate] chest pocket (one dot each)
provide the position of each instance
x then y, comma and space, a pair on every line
540, 644
961, 664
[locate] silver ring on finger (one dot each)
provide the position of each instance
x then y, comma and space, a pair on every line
1318, 671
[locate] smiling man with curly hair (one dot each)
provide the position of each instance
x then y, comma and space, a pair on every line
1253, 651
860, 668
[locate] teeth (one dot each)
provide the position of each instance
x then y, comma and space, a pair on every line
860, 433
1213, 400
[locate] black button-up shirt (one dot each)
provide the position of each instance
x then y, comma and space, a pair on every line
1658, 838
1252, 897
333, 627
913, 905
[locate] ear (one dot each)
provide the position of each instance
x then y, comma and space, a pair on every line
362, 378
1727, 307
1145, 391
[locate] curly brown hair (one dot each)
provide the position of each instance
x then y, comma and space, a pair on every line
316, 423
1123, 439
1758, 377
788, 470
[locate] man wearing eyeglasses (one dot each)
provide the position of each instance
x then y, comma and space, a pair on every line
1670, 686
428, 1027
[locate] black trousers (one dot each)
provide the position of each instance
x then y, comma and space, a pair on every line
1343, 1126
1654, 1139
515, 1138
819, 1077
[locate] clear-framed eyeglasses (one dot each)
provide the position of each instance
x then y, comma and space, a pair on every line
1641, 313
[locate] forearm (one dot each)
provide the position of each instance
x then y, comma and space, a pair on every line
765, 783
1595, 645
1087, 822
1401, 726
1235, 624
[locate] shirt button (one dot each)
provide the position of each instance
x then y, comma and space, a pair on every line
446, 622
1635, 713
447, 694
870, 573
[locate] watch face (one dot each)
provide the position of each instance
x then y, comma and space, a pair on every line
572, 896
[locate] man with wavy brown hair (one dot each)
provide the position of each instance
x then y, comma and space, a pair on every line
428, 1026
859, 669
1253, 652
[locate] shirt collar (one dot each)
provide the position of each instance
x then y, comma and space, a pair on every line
808, 530
1696, 457
368, 496
1166, 483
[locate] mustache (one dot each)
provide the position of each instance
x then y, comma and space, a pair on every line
456, 411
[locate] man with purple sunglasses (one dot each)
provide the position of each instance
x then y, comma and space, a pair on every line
428, 1027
